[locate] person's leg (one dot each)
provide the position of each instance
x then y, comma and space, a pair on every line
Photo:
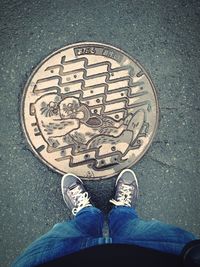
126, 227
70, 236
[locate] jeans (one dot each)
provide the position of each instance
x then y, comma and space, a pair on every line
85, 230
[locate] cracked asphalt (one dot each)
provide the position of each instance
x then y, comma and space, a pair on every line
164, 37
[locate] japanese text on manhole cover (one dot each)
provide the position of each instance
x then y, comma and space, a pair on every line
89, 109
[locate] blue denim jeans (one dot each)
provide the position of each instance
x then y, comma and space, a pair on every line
85, 230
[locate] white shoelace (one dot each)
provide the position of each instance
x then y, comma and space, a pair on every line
124, 198
82, 200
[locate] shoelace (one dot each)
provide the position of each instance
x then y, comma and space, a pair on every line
81, 198
125, 197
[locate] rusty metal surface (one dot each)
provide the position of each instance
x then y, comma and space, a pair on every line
89, 109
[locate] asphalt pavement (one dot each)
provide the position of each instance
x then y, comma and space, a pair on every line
164, 37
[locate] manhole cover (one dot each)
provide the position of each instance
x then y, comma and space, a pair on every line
89, 109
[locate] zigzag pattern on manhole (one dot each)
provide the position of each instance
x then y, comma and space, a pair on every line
89, 109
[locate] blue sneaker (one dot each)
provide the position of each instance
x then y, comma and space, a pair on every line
74, 193
127, 191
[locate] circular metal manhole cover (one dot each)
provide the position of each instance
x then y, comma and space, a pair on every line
89, 109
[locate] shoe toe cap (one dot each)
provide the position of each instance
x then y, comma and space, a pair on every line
69, 180
128, 177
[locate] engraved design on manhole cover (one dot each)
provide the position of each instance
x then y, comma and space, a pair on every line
89, 109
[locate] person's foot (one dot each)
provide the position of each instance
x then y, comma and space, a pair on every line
74, 193
126, 187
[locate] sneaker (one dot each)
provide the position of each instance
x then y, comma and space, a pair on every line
126, 189
74, 193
